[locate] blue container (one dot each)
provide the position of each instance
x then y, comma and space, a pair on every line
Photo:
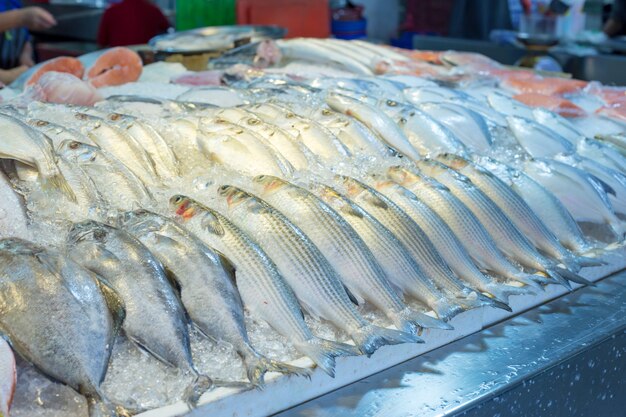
350, 29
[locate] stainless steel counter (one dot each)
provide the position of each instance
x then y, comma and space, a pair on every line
565, 358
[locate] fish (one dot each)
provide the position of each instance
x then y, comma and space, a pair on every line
417, 242
445, 241
537, 140
558, 124
165, 162
468, 229
517, 211
113, 181
545, 205
375, 120
282, 142
505, 234
59, 317
313, 280
239, 149
319, 140
602, 153
400, 268
343, 248
469, 127
207, 290
33, 148
59, 133
8, 376
259, 281
155, 318
508, 106
583, 197
302, 49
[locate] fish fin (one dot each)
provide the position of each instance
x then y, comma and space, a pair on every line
257, 366
476, 300
211, 223
558, 278
370, 337
351, 211
323, 352
571, 276
114, 302
372, 199
356, 299
229, 267
446, 310
602, 185
144, 348
409, 320
194, 391
58, 182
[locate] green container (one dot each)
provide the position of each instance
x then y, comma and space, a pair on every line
192, 14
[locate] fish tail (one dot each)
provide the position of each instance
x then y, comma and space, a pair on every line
58, 182
572, 276
257, 366
482, 301
587, 261
370, 337
194, 391
409, 320
323, 352
446, 310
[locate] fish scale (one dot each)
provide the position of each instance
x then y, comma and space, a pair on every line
461, 220
312, 279
340, 244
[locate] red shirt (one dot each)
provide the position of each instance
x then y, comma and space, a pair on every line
131, 22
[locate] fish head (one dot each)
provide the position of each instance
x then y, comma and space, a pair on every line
325, 192
269, 183
77, 151
431, 167
183, 206
234, 196
453, 161
353, 187
401, 175
89, 230
140, 221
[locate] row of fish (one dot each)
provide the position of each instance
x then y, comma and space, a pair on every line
317, 195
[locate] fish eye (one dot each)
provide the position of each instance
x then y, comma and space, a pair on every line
74, 145
261, 177
224, 188
99, 234
178, 199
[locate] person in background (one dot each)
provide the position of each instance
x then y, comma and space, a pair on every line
16, 50
616, 25
131, 22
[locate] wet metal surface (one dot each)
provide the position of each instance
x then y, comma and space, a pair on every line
565, 358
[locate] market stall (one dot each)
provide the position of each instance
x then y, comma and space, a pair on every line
300, 215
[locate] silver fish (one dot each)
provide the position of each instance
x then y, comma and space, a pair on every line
418, 244
155, 319
263, 290
390, 253
59, 317
116, 183
31, 147
499, 226
375, 120
538, 140
343, 248
206, 288
463, 223
445, 241
311, 277
517, 211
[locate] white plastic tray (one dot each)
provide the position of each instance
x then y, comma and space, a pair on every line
284, 392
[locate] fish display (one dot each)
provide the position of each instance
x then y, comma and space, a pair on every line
347, 197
